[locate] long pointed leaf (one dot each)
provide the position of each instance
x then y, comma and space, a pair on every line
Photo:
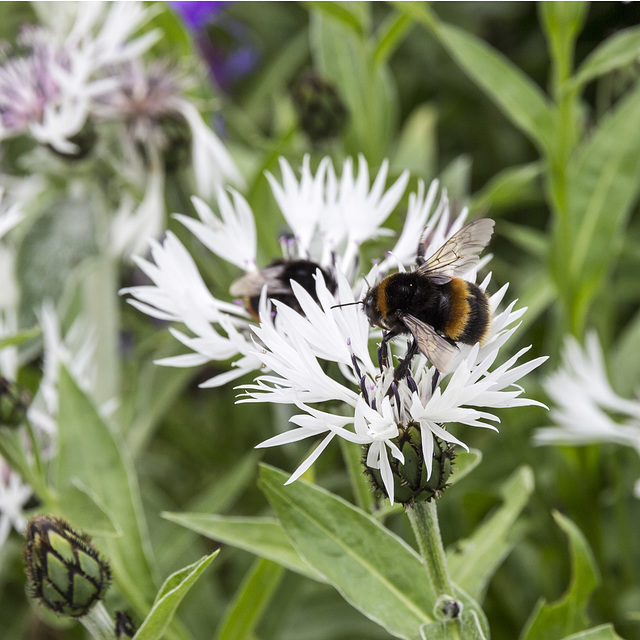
250, 601
92, 456
263, 537
169, 597
475, 559
569, 614
374, 570
514, 93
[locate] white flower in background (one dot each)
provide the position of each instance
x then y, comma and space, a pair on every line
10, 216
76, 350
14, 495
584, 403
47, 86
220, 329
152, 102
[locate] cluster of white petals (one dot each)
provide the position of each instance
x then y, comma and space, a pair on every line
585, 408
76, 350
330, 216
221, 330
47, 89
290, 348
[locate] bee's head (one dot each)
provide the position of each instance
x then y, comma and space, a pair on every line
370, 303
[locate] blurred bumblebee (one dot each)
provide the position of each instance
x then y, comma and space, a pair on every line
433, 303
277, 277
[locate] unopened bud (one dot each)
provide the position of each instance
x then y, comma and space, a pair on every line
411, 483
321, 112
65, 571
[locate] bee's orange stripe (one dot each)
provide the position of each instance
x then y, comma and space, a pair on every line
459, 309
381, 301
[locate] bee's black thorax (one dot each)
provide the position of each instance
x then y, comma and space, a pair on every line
300, 271
457, 309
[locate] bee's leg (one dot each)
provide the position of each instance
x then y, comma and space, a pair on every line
403, 366
383, 349
434, 381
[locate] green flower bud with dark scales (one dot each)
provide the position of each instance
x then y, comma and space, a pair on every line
125, 627
410, 478
321, 112
66, 573
14, 402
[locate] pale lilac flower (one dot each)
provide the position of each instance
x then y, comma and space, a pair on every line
47, 86
585, 408
152, 99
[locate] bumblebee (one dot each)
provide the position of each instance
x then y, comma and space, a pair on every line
432, 303
277, 277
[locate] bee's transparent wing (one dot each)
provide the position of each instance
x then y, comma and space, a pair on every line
437, 349
459, 254
251, 283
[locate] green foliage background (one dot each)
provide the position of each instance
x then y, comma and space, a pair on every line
529, 113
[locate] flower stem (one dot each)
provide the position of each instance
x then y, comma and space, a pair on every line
424, 522
99, 623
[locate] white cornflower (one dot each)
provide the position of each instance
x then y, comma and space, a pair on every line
584, 401
76, 350
222, 330
310, 351
14, 494
380, 405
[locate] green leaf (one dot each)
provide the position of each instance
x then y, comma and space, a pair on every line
464, 463
534, 242
474, 560
374, 570
389, 37
604, 632
250, 601
510, 188
625, 364
619, 50
92, 456
562, 22
344, 58
364, 497
521, 100
345, 13
602, 187
569, 614
19, 338
263, 537
417, 143
81, 505
169, 597
217, 497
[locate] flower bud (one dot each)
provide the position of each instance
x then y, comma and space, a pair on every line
125, 628
65, 571
321, 112
14, 402
411, 483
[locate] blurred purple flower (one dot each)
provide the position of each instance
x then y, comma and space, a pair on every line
225, 44
195, 14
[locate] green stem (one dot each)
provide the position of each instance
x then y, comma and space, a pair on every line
424, 522
99, 623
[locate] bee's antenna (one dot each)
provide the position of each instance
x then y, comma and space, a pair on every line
346, 304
